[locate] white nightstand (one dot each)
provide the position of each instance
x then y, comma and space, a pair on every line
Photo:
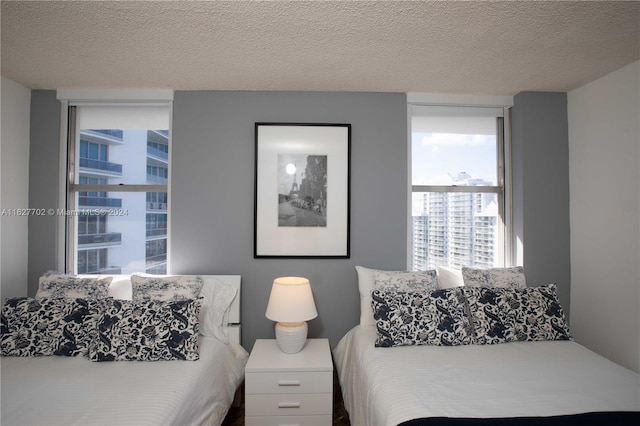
289, 389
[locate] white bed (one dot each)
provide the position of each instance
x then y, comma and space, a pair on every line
388, 386
62, 390
473, 347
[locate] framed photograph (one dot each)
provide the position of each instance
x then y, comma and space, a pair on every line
302, 190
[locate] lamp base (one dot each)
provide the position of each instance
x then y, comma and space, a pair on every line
291, 336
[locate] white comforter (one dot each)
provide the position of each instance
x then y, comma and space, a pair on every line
386, 386
75, 391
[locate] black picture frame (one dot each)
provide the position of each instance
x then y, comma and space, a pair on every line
302, 190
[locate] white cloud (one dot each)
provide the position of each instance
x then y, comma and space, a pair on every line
443, 179
453, 139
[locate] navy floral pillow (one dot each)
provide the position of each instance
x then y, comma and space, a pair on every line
505, 315
421, 318
38, 327
147, 331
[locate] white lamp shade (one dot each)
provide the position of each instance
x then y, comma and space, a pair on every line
291, 300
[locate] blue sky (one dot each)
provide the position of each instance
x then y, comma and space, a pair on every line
436, 155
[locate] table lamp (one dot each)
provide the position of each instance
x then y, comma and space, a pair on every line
291, 305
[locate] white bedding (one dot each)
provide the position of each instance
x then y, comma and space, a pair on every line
387, 386
57, 390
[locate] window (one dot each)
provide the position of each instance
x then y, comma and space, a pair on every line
117, 192
457, 187
90, 223
93, 261
156, 256
156, 224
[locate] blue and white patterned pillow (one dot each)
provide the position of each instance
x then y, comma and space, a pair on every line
73, 287
511, 277
504, 315
165, 288
367, 283
35, 327
421, 318
405, 281
147, 331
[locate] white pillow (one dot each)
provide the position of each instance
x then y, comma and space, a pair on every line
405, 281
365, 287
449, 277
214, 312
53, 285
120, 287
425, 280
165, 288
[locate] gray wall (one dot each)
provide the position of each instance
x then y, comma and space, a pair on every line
212, 174
541, 188
212, 186
14, 188
212, 193
604, 146
44, 176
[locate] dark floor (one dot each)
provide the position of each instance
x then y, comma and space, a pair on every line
235, 417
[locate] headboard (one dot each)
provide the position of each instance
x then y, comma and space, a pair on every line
120, 288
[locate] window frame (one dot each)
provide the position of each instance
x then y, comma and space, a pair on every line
483, 106
66, 227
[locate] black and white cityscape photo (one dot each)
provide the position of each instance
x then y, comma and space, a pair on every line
302, 190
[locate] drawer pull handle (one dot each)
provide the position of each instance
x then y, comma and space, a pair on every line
289, 383
288, 405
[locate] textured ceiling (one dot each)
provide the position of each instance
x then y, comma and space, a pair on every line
497, 48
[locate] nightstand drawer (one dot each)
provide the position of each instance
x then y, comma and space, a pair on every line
293, 382
288, 404
288, 420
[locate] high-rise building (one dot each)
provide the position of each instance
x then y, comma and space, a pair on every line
456, 228
122, 232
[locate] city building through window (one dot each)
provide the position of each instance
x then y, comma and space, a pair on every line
117, 198
457, 187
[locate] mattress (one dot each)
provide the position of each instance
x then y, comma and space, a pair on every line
57, 390
389, 386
